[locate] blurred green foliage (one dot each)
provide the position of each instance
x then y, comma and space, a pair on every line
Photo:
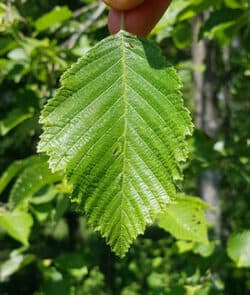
59, 253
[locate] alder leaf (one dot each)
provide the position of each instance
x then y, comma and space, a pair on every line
117, 126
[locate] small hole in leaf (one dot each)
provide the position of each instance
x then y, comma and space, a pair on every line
117, 150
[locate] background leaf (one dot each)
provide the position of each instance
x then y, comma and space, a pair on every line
238, 248
31, 174
17, 224
14, 264
54, 17
15, 168
185, 219
14, 118
31, 180
182, 35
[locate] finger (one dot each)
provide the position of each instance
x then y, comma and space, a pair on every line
140, 20
123, 4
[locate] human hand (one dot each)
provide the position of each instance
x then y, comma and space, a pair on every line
140, 15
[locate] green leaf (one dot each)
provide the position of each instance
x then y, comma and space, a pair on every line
14, 118
14, 264
168, 20
204, 250
54, 17
184, 246
194, 7
185, 219
72, 263
222, 24
182, 35
47, 197
61, 207
54, 283
31, 175
14, 169
118, 127
34, 177
17, 224
17, 54
41, 211
238, 248
6, 43
237, 3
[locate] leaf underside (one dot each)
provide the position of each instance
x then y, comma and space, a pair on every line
118, 126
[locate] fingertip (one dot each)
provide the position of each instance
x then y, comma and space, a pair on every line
123, 4
141, 20
133, 24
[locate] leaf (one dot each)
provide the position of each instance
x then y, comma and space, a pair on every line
221, 24
14, 264
14, 118
47, 197
34, 177
118, 127
61, 207
184, 246
32, 174
13, 170
54, 283
237, 3
168, 20
6, 43
182, 35
238, 248
41, 211
54, 17
204, 250
17, 54
193, 8
17, 224
185, 219
72, 263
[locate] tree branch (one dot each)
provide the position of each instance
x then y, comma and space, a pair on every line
70, 43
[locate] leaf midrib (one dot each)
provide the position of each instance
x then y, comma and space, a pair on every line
125, 103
